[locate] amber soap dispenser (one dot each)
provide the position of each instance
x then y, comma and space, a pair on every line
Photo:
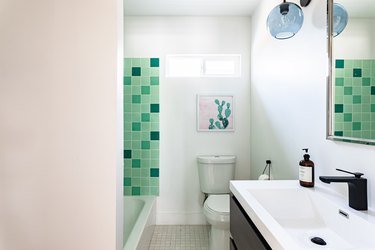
306, 170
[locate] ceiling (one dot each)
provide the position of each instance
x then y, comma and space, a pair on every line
189, 7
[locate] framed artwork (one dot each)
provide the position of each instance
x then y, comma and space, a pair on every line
215, 113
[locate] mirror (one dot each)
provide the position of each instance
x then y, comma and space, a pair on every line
351, 80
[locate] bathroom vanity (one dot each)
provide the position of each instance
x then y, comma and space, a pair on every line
282, 215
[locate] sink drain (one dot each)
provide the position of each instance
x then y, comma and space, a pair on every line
318, 241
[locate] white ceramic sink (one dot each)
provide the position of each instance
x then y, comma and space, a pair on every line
289, 216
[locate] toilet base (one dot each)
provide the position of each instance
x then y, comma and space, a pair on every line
219, 239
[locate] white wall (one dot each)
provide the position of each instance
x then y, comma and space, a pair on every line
288, 103
60, 136
180, 199
357, 40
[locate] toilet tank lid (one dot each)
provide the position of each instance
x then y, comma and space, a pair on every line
223, 159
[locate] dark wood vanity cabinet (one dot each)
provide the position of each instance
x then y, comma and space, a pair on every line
244, 233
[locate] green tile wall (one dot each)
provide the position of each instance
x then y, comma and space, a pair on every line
354, 98
141, 126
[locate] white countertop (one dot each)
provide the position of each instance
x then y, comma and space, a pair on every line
276, 236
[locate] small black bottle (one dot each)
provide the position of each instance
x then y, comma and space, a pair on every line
306, 170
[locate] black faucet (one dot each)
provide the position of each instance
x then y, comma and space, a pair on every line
357, 188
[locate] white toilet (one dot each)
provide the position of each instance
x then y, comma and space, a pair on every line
215, 172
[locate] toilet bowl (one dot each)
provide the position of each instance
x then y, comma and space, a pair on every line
215, 172
216, 211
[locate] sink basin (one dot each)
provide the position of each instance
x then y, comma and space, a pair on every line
289, 216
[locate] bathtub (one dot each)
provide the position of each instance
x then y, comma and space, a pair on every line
139, 221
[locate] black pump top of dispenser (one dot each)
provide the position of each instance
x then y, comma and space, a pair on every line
306, 156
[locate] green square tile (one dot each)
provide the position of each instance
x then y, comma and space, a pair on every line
366, 73
127, 108
154, 181
357, 108
146, 99
348, 126
136, 90
348, 72
154, 135
155, 163
127, 80
127, 163
357, 72
127, 191
145, 145
136, 62
136, 99
366, 108
348, 99
366, 81
154, 80
357, 99
127, 154
339, 81
135, 117
136, 172
136, 81
366, 99
348, 81
145, 127
145, 154
145, 135
145, 90
145, 80
145, 108
348, 90
357, 81
347, 117
357, 117
127, 128
154, 71
154, 62
145, 172
136, 126
146, 163
339, 99
357, 134
339, 72
128, 71
366, 117
366, 134
340, 64
145, 63
357, 63
136, 144
127, 62
366, 91
145, 182
145, 190
339, 133
127, 99
366, 64
339, 126
146, 72
127, 181
154, 172
145, 117
373, 108
154, 191
154, 144
128, 144
357, 90
136, 163
127, 90
136, 191
339, 91
154, 108
136, 109
154, 126
348, 108
127, 172
136, 181
356, 126
136, 71
372, 90
339, 108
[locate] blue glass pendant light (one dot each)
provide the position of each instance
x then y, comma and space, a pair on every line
286, 19
340, 19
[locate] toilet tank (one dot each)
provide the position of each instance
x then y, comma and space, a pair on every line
215, 172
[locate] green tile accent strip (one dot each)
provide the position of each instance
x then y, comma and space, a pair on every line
141, 126
354, 93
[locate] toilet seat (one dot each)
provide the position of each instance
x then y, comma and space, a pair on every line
216, 209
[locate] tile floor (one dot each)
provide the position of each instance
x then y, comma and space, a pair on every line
184, 237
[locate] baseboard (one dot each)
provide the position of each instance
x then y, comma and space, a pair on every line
178, 218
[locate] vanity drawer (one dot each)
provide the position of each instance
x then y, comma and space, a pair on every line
245, 234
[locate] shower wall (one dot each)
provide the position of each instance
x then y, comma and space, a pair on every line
141, 126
